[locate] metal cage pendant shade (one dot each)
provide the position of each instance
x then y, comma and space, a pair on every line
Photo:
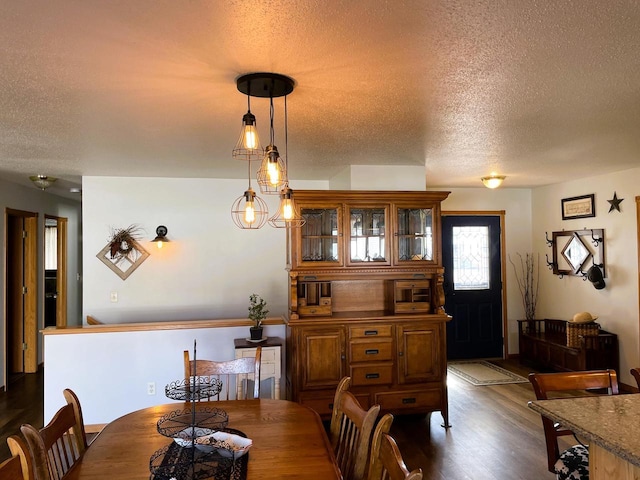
249, 211
288, 214
272, 175
248, 145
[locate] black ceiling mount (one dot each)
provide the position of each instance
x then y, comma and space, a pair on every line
265, 85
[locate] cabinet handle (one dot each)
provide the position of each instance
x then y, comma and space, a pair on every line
371, 332
408, 400
371, 351
400, 354
342, 356
331, 406
372, 375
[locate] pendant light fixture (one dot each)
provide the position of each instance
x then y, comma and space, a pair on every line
248, 146
287, 215
249, 211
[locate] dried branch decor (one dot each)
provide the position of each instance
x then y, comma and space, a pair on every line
527, 276
122, 242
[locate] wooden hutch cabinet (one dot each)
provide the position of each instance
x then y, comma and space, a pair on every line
366, 300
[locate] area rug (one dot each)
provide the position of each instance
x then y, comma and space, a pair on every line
480, 372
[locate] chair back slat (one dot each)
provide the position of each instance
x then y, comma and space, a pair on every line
241, 370
57, 446
350, 431
386, 462
568, 385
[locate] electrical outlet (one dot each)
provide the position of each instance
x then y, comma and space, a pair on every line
114, 297
151, 388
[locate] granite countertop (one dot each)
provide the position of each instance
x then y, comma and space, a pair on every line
610, 421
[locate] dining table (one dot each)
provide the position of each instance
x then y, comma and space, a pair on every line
609, 424
288, 441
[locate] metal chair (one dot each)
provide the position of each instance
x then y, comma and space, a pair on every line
243, 369
574, 462
350, 432
57, 446
386, 462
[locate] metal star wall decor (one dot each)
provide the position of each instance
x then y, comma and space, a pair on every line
615, 202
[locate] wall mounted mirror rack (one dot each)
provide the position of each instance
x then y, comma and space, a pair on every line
575, 251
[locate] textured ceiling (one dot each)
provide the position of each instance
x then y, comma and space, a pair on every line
540, 91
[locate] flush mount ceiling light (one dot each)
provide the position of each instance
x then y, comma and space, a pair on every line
249, 211
42, 181
493, 181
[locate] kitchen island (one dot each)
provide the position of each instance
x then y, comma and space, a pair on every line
609, 424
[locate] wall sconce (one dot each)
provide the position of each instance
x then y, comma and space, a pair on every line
493, 181
161, 236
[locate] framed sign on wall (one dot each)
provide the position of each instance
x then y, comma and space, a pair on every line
578, 207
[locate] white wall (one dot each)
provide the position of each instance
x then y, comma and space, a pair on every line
209, 268
617, 304
30, 199
112, 379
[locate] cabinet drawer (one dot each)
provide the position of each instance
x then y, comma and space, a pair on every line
366, 351
413, 283
423, 399
318, 310
406, 307
370, 331
362, 375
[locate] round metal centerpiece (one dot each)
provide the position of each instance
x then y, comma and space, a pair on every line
265, 84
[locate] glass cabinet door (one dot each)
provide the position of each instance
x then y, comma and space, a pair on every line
367, 235
415, 235
320, 236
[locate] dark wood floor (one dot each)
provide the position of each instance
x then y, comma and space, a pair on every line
494, 435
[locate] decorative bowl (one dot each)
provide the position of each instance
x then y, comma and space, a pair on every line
190, 435
227, 444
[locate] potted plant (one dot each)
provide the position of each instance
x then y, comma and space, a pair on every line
257, 313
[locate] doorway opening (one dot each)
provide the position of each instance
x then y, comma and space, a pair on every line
55, 271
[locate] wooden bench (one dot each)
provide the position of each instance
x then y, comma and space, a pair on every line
543, 343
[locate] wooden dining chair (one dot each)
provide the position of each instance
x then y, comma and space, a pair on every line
11, 469
636, 374
572, 463
19, 448
243, 369
385, 460
350, 432
57, 446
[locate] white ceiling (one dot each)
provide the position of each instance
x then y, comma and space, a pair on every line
538, 90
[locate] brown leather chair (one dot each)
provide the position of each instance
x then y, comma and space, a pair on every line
575, 460
350, 432
57, 446
240, 368
385, 461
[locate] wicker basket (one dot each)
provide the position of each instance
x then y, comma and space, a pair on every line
574, 330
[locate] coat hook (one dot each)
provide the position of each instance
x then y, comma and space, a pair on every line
549, 242
551, 265
594, 240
